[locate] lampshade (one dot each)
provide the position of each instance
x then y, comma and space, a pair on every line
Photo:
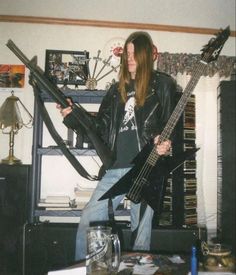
10, 116
11, 121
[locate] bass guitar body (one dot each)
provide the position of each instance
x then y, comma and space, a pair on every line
145, 182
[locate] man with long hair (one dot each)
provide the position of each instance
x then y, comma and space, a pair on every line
133, 111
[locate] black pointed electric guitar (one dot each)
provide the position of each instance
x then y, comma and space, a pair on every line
143, 182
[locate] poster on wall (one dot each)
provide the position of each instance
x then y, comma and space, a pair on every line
12, 76
67, 67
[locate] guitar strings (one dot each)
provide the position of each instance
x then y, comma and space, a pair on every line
153, 156
135, 191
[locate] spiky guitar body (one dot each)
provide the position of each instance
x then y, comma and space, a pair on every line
147, 187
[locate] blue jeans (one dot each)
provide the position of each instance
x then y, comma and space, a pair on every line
98, 211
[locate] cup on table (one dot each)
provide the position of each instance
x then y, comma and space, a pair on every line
101, 258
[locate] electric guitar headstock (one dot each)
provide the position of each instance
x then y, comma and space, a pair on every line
211, 51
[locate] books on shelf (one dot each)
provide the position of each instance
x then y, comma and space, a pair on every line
60, 208
55, 201
43, 203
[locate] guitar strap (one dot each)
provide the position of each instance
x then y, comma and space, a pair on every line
57, 138
113, 223
143, 207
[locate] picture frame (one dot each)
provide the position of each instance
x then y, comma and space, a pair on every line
67, 67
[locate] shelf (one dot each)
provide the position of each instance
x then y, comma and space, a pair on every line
54, 151
74, 213
79, 96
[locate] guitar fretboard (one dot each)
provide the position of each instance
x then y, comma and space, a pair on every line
179, 108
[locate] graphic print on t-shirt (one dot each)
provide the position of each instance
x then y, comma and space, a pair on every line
127, 143
129, 120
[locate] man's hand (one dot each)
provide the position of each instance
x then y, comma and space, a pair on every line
162, 148
65, 111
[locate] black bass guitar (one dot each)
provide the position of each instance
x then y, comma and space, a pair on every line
143, 182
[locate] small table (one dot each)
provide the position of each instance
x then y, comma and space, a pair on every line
164, 262
167, 264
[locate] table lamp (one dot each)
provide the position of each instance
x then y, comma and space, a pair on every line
11, 122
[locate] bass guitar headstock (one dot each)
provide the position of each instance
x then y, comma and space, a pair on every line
211, 51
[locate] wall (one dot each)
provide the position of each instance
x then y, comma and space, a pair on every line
34, 39
201, 13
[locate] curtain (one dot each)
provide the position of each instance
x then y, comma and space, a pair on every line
182, 63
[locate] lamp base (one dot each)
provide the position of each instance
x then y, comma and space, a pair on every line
11, 160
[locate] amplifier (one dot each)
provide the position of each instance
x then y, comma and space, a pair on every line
51, 246
48, 246
171, 240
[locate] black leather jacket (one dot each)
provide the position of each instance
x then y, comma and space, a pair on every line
150, 118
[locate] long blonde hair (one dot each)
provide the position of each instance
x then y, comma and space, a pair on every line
143, 54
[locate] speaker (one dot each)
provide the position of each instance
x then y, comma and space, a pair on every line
226, 193
51, 246
169, 240
14, 181
48, 246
